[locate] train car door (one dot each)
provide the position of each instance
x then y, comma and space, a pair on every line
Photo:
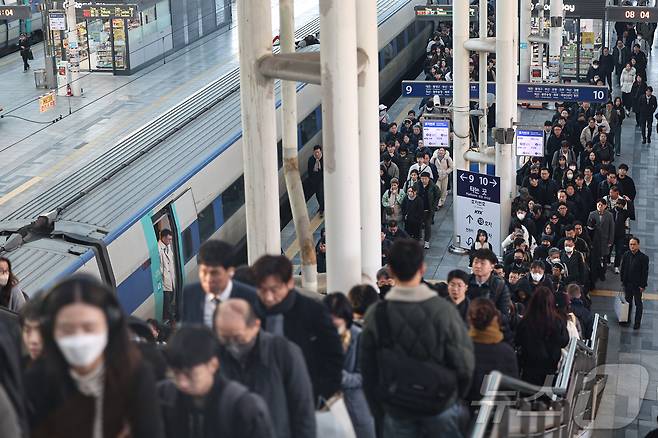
176, 217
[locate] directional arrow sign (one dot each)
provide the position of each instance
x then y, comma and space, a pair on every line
478, 201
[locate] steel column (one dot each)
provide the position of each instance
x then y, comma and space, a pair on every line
261, 175
340, 132
366, 34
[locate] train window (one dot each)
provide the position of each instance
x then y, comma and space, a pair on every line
206, 223
400, 41
233, 198
188, 244
387, 54
308, 128
279, 154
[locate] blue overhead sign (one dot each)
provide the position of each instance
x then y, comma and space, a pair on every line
478, 186
525, 92
439, 88
562, 92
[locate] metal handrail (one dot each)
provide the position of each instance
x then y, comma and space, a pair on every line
497, 381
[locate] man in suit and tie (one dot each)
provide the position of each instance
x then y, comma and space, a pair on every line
168, 272
215, 264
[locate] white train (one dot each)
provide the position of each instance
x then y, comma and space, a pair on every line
181, 171
11, 30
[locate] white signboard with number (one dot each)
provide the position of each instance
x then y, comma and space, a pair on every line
436, 133
478, 207
529, 143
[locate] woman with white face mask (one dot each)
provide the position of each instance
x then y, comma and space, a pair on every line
11, 295
92, 381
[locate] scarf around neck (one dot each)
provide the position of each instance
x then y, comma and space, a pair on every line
490, 335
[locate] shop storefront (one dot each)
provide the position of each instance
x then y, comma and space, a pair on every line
583, 37
127, 43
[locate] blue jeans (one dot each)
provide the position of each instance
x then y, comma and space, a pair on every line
445, 424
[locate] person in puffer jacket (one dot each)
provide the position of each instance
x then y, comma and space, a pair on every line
426, 328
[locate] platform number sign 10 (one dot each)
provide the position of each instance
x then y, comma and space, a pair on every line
599, 94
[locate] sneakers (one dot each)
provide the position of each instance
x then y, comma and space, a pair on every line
636, 326
616, 270
427, 245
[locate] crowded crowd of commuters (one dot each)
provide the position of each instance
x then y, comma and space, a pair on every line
256, 357
260, 357
248, 354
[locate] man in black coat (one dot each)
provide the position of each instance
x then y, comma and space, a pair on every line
484, 284
634, 277
303, 321
573, 261
646, 106
620, 54
201, 403
607, 65
316, 176
215, 261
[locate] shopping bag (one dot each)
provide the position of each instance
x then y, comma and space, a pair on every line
621, 308
333, 420
30, 55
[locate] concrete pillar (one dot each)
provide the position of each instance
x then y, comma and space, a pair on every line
340, 133
483, 75
506, 105
460, 101
290, 154
73, 51
261, 175
555, 37
366, 33
525, 49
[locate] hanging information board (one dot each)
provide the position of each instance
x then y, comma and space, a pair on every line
529, 143
436, 133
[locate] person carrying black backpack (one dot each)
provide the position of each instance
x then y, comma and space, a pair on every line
417, 359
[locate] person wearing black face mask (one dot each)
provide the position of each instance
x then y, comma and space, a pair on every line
518, 262
268, 365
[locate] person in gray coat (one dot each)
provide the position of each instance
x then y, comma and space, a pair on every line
355, 400
11, 294
269, 365
605, 225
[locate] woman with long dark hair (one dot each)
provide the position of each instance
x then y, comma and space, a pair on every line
11, 295
540, 337
91, 381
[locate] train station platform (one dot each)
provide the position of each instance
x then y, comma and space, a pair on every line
633, 418
37, 154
